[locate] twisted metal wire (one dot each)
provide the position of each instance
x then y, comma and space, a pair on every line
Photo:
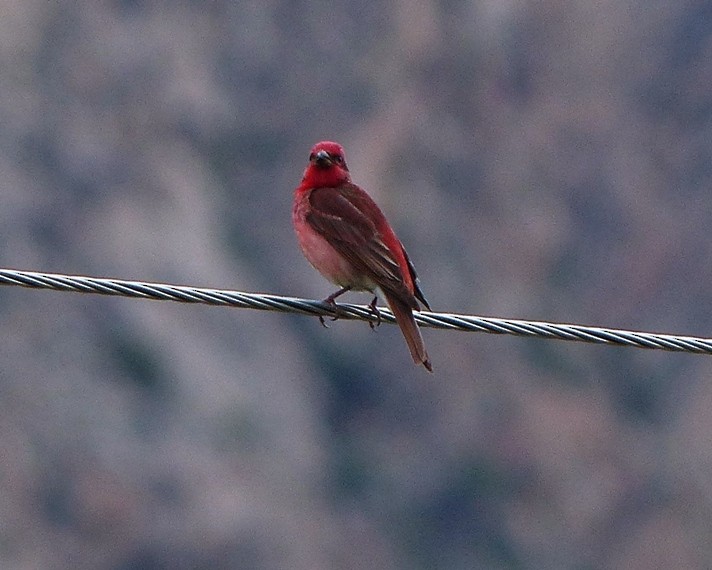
450, 321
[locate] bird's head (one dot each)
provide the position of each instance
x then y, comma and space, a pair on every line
327, 154
327, 165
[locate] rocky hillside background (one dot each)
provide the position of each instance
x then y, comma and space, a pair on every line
541, 160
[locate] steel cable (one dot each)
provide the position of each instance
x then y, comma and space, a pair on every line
264, 302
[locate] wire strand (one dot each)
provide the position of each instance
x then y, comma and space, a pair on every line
264, 302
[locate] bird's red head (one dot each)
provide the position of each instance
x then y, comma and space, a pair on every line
327, 166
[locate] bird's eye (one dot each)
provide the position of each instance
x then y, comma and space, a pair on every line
312, 156
339, 159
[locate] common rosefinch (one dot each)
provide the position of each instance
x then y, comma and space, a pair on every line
346, 237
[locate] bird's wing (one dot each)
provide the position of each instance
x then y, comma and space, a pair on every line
347, 218
416, 281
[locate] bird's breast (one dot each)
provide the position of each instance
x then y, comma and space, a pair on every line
322, 255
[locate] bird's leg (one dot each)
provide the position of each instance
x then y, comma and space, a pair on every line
375, 312
330, 301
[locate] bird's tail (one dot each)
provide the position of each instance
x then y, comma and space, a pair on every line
410, 330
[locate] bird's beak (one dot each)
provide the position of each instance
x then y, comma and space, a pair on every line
323, 159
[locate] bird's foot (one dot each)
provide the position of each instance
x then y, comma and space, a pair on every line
336, 311
374, 311
330, 301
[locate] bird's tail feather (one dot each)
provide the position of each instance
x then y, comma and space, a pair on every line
410, 330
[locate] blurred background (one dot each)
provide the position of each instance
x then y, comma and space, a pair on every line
540, 160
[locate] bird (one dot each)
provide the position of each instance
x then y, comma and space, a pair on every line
345, 236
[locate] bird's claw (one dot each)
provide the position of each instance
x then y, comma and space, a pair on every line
330, 301
323, 322
374, 311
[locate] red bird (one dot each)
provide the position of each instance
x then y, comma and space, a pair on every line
346, 237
